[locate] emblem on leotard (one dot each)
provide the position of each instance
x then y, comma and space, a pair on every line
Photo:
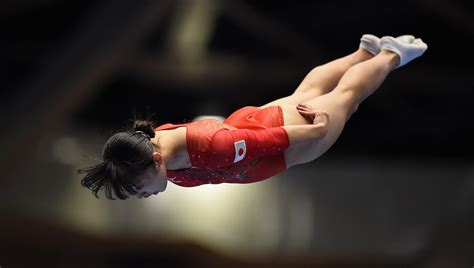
240, 150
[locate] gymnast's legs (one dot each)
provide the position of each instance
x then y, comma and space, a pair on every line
320, 80
357, 83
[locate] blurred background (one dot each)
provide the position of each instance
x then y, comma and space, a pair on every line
396, 190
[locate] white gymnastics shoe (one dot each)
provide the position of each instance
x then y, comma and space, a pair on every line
406, 38
406, 51
371, 43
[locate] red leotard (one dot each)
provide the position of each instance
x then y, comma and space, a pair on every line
247, 147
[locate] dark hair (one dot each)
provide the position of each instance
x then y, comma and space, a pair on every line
124, 156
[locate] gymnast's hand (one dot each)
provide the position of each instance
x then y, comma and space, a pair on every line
308, 112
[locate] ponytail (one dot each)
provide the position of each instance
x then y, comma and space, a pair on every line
125, 156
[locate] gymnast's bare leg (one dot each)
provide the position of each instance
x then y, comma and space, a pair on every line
319, 81
360, 81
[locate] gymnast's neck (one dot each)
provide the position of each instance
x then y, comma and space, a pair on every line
171, 144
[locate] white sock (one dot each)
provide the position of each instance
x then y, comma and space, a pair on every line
406, 51
371, 43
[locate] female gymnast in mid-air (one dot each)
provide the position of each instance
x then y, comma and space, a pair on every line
253, 143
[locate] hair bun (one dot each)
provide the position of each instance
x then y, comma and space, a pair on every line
145, 126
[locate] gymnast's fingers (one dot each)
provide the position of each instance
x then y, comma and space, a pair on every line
302, 108
306, 113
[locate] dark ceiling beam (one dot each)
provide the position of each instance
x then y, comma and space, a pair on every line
224, 71
74, 73
220, 71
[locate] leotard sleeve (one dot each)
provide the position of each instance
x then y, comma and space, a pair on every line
239, 146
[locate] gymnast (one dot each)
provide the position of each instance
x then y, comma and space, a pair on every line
253, 143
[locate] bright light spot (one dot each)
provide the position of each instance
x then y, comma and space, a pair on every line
231, 218
217, 117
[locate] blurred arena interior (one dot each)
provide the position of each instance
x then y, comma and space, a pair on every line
396, 190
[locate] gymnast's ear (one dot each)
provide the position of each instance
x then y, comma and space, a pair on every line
157, 158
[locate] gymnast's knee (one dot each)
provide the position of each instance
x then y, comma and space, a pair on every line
351, 110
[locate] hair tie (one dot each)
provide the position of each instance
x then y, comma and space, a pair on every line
143, 134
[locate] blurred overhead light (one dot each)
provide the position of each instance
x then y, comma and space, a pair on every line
217, 117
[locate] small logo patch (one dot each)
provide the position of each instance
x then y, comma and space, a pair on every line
240, 150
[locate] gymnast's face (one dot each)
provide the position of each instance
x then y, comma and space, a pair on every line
153, 180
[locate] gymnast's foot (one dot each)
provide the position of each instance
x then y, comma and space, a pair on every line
408, 38
406, 50
370, 43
